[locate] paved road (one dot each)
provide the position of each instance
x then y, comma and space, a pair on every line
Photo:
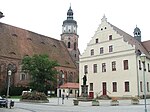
56, 105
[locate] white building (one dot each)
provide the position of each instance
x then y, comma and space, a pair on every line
112, 63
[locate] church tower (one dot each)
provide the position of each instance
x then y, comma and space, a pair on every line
70, 37
137, 34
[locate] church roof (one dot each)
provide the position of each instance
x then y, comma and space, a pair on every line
17, 43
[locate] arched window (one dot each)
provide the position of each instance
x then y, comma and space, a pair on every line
68, 44
75, 46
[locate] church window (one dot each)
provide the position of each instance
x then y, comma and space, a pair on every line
95, 68
140, 65
127, 89
103, 67
75, 46
96, 40
125, 63
92, 52
110, 37
68, 44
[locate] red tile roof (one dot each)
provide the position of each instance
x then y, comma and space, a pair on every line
70, 85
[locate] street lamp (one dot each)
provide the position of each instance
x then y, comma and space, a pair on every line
9, 74
143, 58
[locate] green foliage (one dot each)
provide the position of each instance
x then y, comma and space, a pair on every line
42, 71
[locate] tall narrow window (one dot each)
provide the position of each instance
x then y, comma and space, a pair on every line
101, 50
95, 68
68, 44
148, 67
92, 52
125, 63
114, 86
96, 40
103, 67
141, 86
111, 48
140, 65
91, 86
127, 89
85, 69
75, 46
110, 37
114, 66
147, 86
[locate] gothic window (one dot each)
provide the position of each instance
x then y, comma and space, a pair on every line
68, 44
75, 46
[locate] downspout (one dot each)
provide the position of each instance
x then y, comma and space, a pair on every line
137, 75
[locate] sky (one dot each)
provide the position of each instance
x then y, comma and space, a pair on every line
46, 16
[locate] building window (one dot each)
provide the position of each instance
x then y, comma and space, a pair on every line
114, 66
75, 46
92, 52
114, 86
103, 67
95, 68
23, 76
68, 44
127, 89
125, 63
110, 37
147, 86
111, 48
101, 50
140, 65
70, 91
141, 86
96, 40
85, 69
91, 86
148, 67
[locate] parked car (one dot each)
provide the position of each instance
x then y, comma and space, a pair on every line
3, 102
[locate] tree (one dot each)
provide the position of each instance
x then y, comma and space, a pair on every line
42, 71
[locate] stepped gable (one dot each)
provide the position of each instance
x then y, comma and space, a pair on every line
17, 43
131, 40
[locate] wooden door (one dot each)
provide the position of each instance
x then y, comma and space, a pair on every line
104, 88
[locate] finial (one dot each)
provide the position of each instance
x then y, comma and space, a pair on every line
104, 18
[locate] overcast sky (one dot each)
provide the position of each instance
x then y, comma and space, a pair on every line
46, 16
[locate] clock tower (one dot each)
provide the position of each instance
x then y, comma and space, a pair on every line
70, 37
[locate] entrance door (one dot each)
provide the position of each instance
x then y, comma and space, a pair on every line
91, 94
104, 88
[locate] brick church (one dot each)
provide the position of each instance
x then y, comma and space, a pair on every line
15, 43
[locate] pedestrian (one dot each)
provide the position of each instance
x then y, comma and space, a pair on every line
63, 96
67, 95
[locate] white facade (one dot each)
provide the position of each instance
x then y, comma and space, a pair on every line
110, 50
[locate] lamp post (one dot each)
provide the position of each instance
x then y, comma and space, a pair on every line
143, 58
9, 74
